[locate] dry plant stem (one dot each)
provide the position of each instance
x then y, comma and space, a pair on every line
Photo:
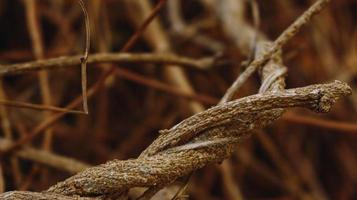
154, 12
256, 20
6, 127
85, 57
35, 32
158, 40
38, 49
149, 193
164, 87
25, 105
233, 192
2, 179
104, 44
324, 123
170, 152
180, 28
48, 122
23, 195
5, 122
181, 192
271, 74
244, 110
273, 81
259, 168
162, 166
174, 8
59, 162
277, 45
287, 172
262, 58
348, 159
47, 158
70, 61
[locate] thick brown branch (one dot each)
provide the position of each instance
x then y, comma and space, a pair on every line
245, 111
157, 166
24, 195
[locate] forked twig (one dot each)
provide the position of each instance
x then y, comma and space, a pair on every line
290, 32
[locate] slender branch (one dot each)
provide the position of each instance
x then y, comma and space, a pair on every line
2, 179
71, 61
323, 123
164, 87
84, 58
130, 43
47, 158
290, 32
37, 107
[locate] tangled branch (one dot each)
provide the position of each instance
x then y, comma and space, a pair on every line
206, 137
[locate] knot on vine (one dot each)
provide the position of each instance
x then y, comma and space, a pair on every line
330, 94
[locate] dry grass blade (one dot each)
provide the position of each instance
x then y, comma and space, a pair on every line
85, 57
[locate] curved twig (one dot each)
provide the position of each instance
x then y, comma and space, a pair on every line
85, 58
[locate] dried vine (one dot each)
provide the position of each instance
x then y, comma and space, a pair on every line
207, 137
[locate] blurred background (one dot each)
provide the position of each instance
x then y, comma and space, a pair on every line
301, 156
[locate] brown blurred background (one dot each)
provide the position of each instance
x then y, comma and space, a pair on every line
303, 152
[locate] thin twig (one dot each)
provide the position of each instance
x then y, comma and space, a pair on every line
2, 179
85, 58
38, 48
164, 87
323, 123
6, 127
47, 158
38, 107
133, 39
69, 61
256, 20
290, 32
49, 121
